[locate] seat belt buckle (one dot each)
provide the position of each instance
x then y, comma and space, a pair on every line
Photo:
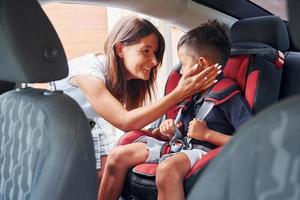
176, 146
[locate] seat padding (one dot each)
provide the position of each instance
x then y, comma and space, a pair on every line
46, 148
270, 30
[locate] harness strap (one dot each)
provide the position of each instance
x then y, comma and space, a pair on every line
178, 142
181, 107
205, 109
202, 113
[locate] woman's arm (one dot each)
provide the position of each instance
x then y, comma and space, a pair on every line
114, 112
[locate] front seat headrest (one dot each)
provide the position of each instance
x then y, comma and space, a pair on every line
30, 50
270, 30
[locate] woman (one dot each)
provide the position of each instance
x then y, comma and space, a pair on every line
116, 85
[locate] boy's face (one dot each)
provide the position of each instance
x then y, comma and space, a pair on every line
188, 61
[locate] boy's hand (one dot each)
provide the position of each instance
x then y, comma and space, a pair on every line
158, 135
167, 128
198, 130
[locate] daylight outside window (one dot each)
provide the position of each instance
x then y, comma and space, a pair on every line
86, 32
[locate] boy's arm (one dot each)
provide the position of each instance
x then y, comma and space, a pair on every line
157, 134
217, 138
238, 113
166, 129
199, 130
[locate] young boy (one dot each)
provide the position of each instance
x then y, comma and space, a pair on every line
204, 45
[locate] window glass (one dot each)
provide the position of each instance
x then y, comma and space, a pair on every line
81, 28
276, 7
84, 28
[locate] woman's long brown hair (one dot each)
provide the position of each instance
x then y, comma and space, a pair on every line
128, 31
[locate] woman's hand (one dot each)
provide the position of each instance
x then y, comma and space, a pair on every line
198, 130
198, 79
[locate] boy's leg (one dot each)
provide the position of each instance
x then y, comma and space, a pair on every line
118, 162
172, 171
169, 177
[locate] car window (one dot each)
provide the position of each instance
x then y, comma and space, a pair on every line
277, 7
84, 28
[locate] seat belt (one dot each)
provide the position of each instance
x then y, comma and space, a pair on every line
202, 113
179, 142
205, 109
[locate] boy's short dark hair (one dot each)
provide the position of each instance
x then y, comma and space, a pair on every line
209, 39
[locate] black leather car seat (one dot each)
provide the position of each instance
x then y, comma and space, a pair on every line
6, 86
46, 149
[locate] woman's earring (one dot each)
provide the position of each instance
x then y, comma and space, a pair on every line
119, 48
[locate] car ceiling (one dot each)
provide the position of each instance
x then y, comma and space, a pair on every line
176, 12
180, 12
238, 9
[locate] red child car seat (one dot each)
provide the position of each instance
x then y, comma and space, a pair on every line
268, 161
254, 69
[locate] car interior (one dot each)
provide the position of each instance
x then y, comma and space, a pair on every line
45, 152
43, 133
255, 68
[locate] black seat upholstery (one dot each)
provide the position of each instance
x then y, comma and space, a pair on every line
269, 30
290, 76
290, 83
46, 149
294, 17
259, 34
6, 86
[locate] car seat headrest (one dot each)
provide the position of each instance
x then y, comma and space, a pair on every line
30, 50
267, 29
